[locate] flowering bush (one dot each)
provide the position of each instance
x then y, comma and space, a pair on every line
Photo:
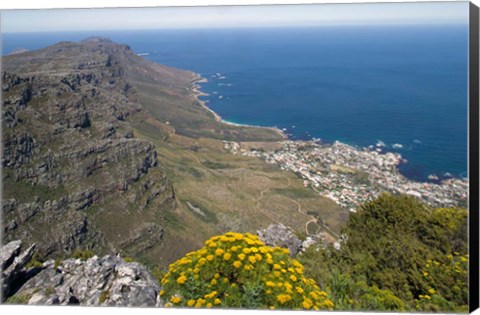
238, 270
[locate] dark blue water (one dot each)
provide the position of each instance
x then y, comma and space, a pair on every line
403, 85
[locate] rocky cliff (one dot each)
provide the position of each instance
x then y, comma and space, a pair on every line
105, 281
72, 164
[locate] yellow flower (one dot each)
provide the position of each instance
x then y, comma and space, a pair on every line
212, 245
234, 248
277, 267
270, 261
293, 278
219, 252
241, 256
314, 295
299, 270
175, 299
299, 290
283, 298
248, 267
431, 291
227, 256
191, 303
249, 241
246, 250
182, 279
258, 257
254, 249
270, 284
162, 292
217, 302
307, 303
213, 282
237, 264
210, 257
252, 259
328, 304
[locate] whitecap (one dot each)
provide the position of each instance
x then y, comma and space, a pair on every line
380, 143
417, 141
397, 146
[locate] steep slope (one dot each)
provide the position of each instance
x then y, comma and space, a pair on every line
103, 149
70, 153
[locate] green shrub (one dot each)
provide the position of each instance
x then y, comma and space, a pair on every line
83, 254
238, 270
104, 296
18, 299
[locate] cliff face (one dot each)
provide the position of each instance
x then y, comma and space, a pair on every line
72, 165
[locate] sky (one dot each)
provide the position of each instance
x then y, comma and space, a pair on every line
44, 20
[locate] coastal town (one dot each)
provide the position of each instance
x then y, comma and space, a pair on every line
351, 176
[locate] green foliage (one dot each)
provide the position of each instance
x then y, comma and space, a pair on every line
238, 270
18, 299
399, 254
128, 259
216, 165
104, 296
35, 262
83, 254
158, 273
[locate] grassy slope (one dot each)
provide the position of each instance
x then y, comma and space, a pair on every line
215, 191
232, 192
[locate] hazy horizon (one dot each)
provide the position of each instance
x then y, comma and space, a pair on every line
295, 15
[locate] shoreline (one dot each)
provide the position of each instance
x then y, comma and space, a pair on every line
197, 93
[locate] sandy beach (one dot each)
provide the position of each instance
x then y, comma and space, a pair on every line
197, 92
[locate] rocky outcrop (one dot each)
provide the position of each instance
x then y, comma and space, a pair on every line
13, 265
70, 154
106, 281
280, 235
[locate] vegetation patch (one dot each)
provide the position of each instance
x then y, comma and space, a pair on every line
400, 255
18, 299
238, 270
216, 165
202, 212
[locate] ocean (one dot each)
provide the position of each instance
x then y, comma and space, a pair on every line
399, 88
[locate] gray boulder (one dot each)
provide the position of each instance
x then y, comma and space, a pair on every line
106, 281
280, 235
13, 265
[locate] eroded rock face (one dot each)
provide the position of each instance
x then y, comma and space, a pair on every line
13, 265
107, 281
280, 235
71, 161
